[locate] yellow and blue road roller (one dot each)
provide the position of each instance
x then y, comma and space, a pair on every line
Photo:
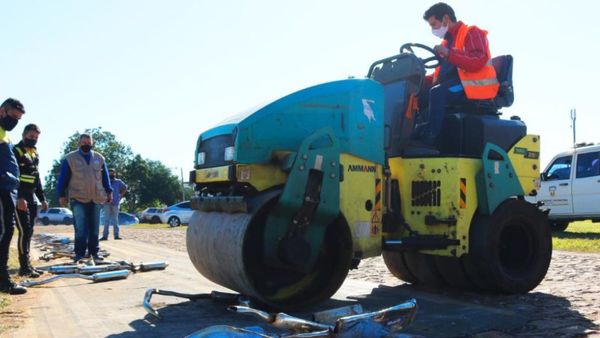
293, 195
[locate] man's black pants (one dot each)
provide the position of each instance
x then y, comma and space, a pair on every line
25, 221
7, 216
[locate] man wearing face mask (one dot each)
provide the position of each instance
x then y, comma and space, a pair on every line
111, 210
30, 185
465, 71
84, 181
11, 112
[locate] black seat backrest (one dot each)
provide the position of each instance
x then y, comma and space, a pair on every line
504, 66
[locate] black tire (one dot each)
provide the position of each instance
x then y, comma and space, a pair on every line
155, 220
45, 221
67, 221
452, 271
558, 226
174, 221
510, 250
396, 264
423, 267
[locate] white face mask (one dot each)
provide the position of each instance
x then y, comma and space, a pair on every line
440, 32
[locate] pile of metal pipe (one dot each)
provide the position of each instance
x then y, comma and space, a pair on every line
54, 247
348, 321
96, 277
105, 267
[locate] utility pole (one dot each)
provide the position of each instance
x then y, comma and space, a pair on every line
573, 120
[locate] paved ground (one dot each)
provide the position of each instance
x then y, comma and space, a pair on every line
76, 308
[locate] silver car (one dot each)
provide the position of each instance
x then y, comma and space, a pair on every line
177, 214
56, 216
151, 215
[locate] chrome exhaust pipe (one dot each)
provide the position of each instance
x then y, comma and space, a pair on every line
96, 278
150, 266
111, 275
222, 297
332, 315
63, 269
281, 320
392, 319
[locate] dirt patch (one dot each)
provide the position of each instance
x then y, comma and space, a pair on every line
11, 311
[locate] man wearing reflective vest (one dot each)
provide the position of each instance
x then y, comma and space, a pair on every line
465, 71
30, 185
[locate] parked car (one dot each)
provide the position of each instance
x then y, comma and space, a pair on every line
56, 216
177, 214
124, 218
570, 187
151, 215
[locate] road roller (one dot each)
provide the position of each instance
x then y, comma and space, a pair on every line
292, 195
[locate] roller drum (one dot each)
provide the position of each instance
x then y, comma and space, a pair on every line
215, 242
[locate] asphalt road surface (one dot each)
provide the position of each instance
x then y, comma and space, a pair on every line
79, 308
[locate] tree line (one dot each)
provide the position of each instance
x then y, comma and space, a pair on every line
151, 183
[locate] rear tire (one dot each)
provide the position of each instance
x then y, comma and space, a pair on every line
155, 220
396, 264
558, 226
423, 267
510, 250
452, 271
174, 221
45, 221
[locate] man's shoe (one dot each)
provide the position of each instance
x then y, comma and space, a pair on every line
12, 288
118, 238
97, 259
103, 239
28, 271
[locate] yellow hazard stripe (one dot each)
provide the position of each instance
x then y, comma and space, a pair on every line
378, 188
463, 193
27, 180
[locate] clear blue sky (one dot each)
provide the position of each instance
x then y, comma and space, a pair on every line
157, 73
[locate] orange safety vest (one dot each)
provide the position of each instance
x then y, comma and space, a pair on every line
479, 85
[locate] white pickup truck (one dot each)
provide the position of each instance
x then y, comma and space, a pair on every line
570, 187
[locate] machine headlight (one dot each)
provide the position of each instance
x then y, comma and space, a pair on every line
201, 158
229, 152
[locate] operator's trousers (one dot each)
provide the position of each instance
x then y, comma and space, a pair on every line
25, 222
436, 100
7, 228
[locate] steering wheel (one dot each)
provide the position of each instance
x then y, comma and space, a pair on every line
408, 47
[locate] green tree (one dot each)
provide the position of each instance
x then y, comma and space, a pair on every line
150, 182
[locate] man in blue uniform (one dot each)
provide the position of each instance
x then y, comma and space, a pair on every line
11, 112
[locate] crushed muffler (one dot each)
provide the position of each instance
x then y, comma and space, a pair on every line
96, 277
382, 323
